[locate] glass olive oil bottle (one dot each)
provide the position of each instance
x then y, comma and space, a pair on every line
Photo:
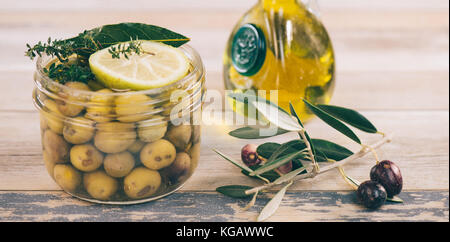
280, 45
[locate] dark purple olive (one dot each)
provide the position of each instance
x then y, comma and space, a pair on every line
249, 155
371, 194
388, 174
286, 168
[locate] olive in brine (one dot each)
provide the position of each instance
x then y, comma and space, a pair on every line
99, 185
179, 136
56, 148
114, 137
133, 108
78, 130
66, 107
180, 167
86, 157
158, 155
67, 177
119, 164
141, 183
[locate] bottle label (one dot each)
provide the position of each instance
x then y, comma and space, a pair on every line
248, 50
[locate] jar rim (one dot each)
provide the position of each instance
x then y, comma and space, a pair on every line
191, 54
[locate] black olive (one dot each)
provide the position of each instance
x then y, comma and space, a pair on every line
371, 194
250, 156
388, 174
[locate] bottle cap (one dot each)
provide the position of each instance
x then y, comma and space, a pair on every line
248, 50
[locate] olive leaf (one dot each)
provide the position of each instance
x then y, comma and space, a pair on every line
350, 117
287, 148
395, 199
247, 98
270, 175
281, 119
276, 163
331, 150
267, 149
332, 121
253, 133
273, 204
242, 167
234, 191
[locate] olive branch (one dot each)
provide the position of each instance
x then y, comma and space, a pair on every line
299, 151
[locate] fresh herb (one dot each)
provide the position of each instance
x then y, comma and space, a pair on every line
69, 72
304, 152
125, 49
91, 41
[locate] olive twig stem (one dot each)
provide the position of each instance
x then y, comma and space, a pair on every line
373, 152
316, 168
361, 153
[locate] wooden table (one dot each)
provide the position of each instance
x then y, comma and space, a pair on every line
392, 65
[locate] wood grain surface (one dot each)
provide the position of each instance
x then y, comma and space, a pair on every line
392, 65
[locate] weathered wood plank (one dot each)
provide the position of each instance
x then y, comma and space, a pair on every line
420, 148
214, 207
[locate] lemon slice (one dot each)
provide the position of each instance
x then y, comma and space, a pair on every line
159, 65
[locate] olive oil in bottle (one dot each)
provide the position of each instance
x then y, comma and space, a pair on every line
280, 45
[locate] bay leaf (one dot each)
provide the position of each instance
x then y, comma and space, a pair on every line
273, 204
105, 36
350, 117
333, 122
234, 191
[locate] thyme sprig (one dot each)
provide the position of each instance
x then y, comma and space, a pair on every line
69, 72
126, 49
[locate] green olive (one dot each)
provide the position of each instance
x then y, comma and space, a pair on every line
141, 183
133, 108
99, 185
115, 137
149, 132
179, 136
56, 147
66, 107
54, 116
119, 164
158, 155
100, 107
136, 147
78, 130
180, 167
86, 157
67, 177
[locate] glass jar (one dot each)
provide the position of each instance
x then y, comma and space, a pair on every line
120, 147
281, 45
